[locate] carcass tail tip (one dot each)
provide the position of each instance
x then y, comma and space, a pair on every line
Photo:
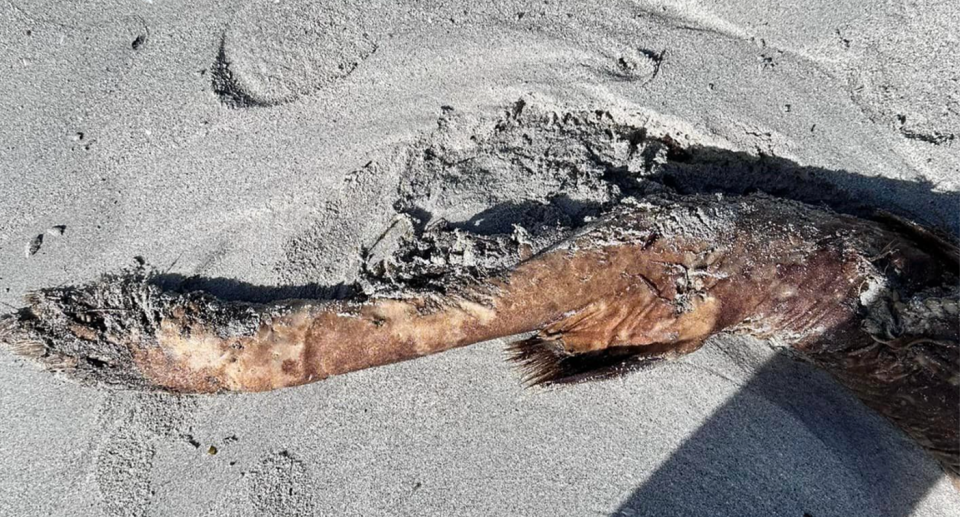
43, 341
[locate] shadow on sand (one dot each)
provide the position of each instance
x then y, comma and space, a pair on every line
727, 468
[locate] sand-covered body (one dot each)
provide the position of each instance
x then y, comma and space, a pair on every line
875, 304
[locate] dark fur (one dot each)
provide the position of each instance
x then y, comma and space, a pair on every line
544, 362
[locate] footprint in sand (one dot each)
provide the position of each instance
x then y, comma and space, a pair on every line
273, 53
125, 459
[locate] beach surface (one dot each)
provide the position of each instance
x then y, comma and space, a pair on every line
260, 150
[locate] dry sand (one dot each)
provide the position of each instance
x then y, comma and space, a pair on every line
267, 143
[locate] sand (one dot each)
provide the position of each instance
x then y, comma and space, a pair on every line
266, 146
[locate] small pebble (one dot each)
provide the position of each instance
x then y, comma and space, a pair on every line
56, 231
34, 245
212, 450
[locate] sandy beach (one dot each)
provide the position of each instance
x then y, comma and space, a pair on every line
260, 150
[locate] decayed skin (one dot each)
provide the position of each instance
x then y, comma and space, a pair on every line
875, 304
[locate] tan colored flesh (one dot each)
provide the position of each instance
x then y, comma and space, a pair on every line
315, 341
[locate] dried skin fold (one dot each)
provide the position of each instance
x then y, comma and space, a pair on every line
873, 303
